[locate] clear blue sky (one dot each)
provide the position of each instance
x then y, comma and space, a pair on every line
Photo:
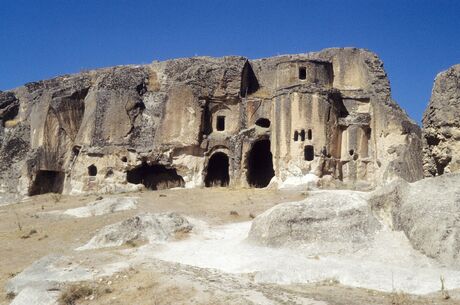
44, 38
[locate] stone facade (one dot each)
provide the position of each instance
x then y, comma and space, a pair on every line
441, 125
205, 121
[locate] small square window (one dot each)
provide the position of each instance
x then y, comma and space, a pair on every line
302, 73
220, 124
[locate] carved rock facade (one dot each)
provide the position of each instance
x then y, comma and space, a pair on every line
209, 121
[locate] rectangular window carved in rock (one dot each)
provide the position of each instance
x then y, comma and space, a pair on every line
309, 153
309, 134
296, 136
302, 135
302, 73
220, 124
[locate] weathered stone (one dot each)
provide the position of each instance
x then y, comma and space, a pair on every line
148, 227
209, 121
427, 211
441, 125
324, 217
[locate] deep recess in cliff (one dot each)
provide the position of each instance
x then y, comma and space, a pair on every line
206, 121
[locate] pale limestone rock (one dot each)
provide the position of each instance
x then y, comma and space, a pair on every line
149, 227
324, 217
209, 121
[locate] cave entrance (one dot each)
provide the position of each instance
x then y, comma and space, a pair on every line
260, 164
47, 182
155, 177
217, 173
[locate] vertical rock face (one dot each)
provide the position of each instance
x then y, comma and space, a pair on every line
209, 121
441, 125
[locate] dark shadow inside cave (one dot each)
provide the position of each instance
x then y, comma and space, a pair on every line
47, 182
217, 173
260, 164
155, 177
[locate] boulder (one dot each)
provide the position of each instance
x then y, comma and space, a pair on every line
156, 227
441, 125
427, 211
324, 217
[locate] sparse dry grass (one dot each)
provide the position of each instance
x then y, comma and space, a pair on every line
56, 197
400, 298
73, 293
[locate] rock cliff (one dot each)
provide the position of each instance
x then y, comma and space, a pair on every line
205, 121
441, 125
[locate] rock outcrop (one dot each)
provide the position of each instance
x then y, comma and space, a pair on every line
441, 125
427, 211
208, 121
324, 217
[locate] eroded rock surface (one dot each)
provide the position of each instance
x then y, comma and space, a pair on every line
427, 211
324, 217
441, 125
148, 227
205, 121
103, 206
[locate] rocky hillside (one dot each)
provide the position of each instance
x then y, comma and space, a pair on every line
208, 121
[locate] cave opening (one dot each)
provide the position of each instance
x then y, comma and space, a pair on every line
217, 173
263, 122
47, 181
260, 164
155, 177
92, 170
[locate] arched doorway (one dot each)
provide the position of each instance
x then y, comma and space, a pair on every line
217, 173
260, 164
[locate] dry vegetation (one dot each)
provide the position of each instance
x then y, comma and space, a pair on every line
166, 283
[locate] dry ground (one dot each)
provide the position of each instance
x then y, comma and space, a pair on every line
27, 235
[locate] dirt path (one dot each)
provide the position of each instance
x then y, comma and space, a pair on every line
27, 234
